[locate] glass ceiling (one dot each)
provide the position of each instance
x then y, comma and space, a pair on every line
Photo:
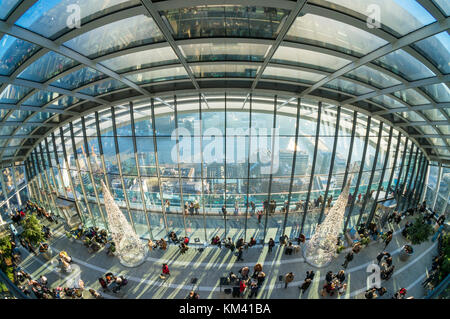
116, 50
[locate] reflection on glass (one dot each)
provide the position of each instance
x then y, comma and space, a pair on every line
411, 97
78, 78
41, 98
437, 50
53, 18
123, 34
434, 115
372, 77
46, 67
225, 21
291, 75
13, 52
224, 70
6, 7
103, 87
439, 92
64, 102
13, 94
444, 5
309, 59
40, 117
405, 65
325, 32
387, 101
224, 51
19, 116
347, 87
396, 17
141, 60
166, 74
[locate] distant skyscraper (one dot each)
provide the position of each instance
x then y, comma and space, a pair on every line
301, 165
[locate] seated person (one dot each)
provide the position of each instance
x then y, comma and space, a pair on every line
252, 242
183, 248
186, 241
173, 237
162, 244
289, 249
43, 247
240, 243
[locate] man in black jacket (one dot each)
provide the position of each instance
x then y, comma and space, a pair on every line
348, 258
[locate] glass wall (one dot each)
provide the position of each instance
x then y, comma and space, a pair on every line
231, 166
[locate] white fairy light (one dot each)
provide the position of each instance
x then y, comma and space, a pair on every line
321, 248
129, 248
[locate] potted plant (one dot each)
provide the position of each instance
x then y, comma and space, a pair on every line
419, 231
32, 230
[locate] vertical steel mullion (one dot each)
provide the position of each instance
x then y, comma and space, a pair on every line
77, 165
178, 165
372, 173
393, 165
383, 172
418, 198
202, 168
311, 179
133, 134
52, 174
294, 160
158, 173
361, 170
408, 186
269, 195
91, 175
119, 165
405, 182
438, 185
350, 151
59, 166
69, 176
248, 163
399, 178
225, 165
333, 155
417, 172
100, 147
46, 177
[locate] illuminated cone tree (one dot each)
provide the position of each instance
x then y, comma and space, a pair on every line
129, 248
321, 248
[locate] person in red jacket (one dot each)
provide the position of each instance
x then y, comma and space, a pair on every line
242, 287
165, 271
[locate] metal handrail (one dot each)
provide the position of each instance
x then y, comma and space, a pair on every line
12, 288
439, 289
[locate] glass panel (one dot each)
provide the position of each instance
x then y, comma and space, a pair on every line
224, 70
411, 116
325, 32
41, 98
434, 115
13, 94
411, 97
40, 117
372, 77
309, 59
53, 18
405, 65
64, 102
387, 101
398, 17
19, 116
103, 87
13, 52
6, 7
439, 92
347, 87
291, 75
159, 75
78, 78
141, 60
235, 21
126, 33
46, 67
444, 5
224, 51
437, 50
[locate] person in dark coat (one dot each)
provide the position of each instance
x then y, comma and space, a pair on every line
348, 258
305, 285
271, 244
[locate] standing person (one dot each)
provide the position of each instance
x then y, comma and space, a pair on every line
381, 255
253, 289
370, 294
310, 274
400, 294
348, 258
329, 277
271, 244
242, 287
305, 285
389, 261
288, 278
388, 239
239, 255
259, 216
224, 211
236, 208
252, 204
341, 276
167, 206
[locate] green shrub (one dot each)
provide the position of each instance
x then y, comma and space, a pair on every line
32, 230
419, 231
